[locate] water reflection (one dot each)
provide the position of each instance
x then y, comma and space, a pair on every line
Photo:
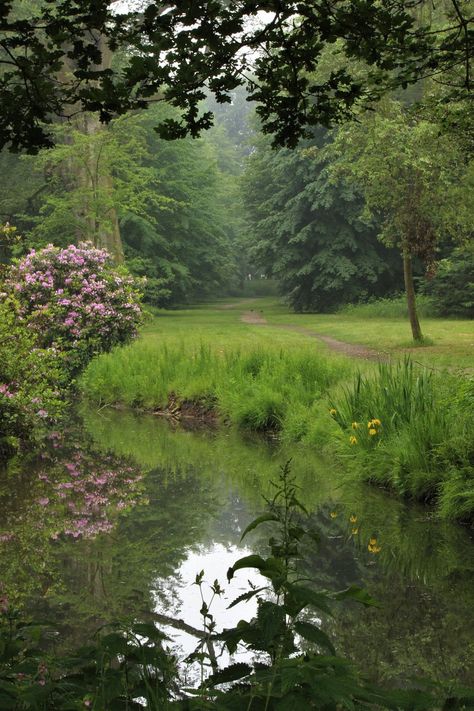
115, 524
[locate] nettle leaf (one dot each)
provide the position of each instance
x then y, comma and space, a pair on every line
257, 521
299, 597
245, 597
359, 594
271, 568
248, 561
315, 635
271, 620
230, 673
147, 629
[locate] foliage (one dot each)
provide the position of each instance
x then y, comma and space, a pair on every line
187, 251
74, 302
31, 377
406, 428
451, 289
189, 50
249, 387
171, 209
388, 308
92, 175
307, 230
297, 663
408, 172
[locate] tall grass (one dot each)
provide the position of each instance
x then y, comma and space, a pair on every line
411, 430
401, 426
254, 389
394, 308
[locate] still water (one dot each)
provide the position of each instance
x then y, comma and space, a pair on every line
116, 515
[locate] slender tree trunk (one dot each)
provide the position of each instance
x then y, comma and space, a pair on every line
411, 299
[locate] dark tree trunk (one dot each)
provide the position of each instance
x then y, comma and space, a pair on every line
411, 298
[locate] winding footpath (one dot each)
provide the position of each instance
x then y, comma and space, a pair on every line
352, 350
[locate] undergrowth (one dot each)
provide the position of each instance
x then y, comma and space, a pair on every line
254, 389
402, 426
412, 430
390, 308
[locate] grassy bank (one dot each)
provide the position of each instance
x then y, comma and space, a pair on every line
261, 377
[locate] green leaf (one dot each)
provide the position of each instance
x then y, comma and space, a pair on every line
147, 629
249, 561
314, 634
257, 521
359, 594
230, 673
245, 597
300, 597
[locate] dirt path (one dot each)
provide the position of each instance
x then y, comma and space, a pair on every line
253, 317
352, 350
234, 305
348, 349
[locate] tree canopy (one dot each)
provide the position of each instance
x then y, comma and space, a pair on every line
54, 59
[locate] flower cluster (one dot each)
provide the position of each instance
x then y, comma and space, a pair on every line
372, 427
74, 301
77, 493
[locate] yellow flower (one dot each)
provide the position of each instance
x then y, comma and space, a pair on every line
355, 531
333, 514
374, 549
352, 439
332, 411
353, 518
373, 541
355, 425
372, 432
376, 423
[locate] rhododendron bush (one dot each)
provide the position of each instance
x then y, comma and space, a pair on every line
31, 378
58, 308
75, 301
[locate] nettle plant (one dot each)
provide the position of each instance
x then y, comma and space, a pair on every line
75, 301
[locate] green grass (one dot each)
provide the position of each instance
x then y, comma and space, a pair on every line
254, 388
411, 430
388, 308
269, 377
450, 342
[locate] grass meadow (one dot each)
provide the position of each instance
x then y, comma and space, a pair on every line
405, 424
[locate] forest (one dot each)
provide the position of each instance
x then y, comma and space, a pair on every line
236, 355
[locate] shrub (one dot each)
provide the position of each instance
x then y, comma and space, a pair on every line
74, 301
389, 308
452, 287
31, 378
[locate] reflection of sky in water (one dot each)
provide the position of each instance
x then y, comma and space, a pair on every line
215, 560
115, 530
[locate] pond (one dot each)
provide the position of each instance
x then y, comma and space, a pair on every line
116, 515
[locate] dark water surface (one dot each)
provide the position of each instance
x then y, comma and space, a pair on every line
114, 519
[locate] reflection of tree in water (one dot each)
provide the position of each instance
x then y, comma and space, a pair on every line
84, 535
420, 577
119, 576
67, 492
109, 543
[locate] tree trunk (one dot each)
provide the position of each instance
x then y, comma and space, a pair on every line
105, 235
411, 299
